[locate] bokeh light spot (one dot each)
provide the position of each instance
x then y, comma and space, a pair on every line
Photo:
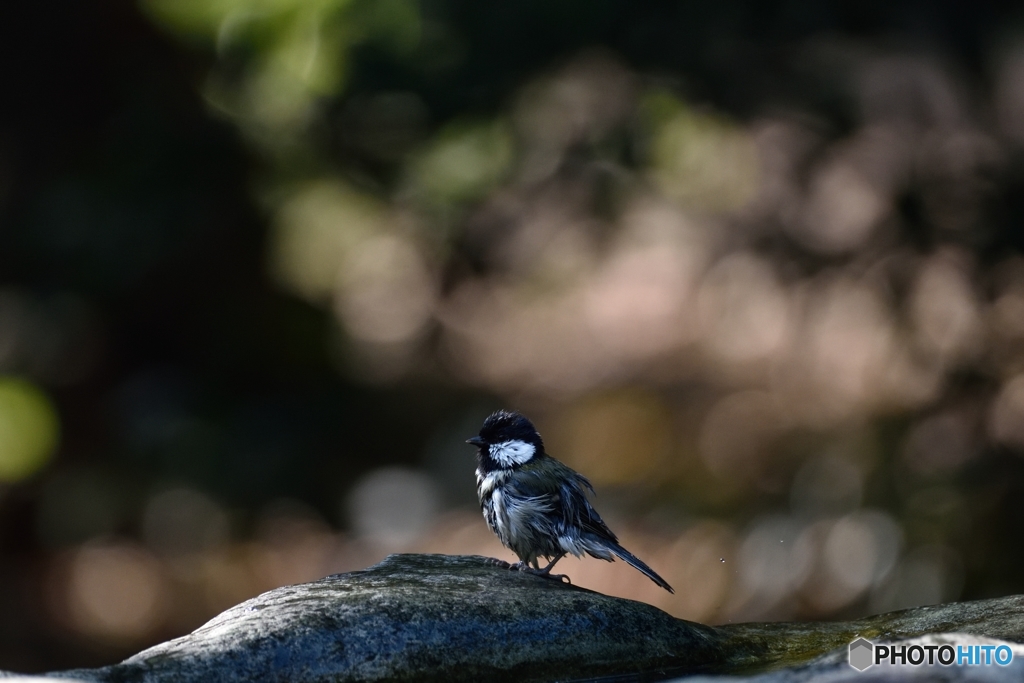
704, 161
465, 161
393, 506
386, 293
315, 229
115, 591
29, 429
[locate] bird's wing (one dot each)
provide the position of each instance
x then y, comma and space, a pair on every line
536, 480
565, 490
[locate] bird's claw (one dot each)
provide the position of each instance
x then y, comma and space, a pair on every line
525, 567
543, 573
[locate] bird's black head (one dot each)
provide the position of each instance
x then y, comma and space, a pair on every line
506, 441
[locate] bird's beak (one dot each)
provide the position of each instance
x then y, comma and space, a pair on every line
476, 441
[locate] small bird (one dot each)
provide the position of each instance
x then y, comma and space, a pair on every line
537, 506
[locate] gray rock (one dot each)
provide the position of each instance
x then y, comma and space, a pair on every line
426, 617
435, 617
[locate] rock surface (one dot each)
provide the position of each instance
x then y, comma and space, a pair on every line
435, 617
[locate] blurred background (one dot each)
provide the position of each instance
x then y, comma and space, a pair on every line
754, 268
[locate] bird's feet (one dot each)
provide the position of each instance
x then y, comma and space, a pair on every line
525, 567
545, 572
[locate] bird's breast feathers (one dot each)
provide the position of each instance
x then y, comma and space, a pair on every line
525, 523
486, 482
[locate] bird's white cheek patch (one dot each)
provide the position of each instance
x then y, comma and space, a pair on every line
515, 452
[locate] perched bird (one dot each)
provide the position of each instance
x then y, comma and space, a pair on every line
537, 506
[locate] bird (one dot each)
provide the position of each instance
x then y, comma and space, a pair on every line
537, 506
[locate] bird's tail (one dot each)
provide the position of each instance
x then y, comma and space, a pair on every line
635, 562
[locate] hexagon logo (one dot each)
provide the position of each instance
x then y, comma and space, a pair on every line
862, 652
